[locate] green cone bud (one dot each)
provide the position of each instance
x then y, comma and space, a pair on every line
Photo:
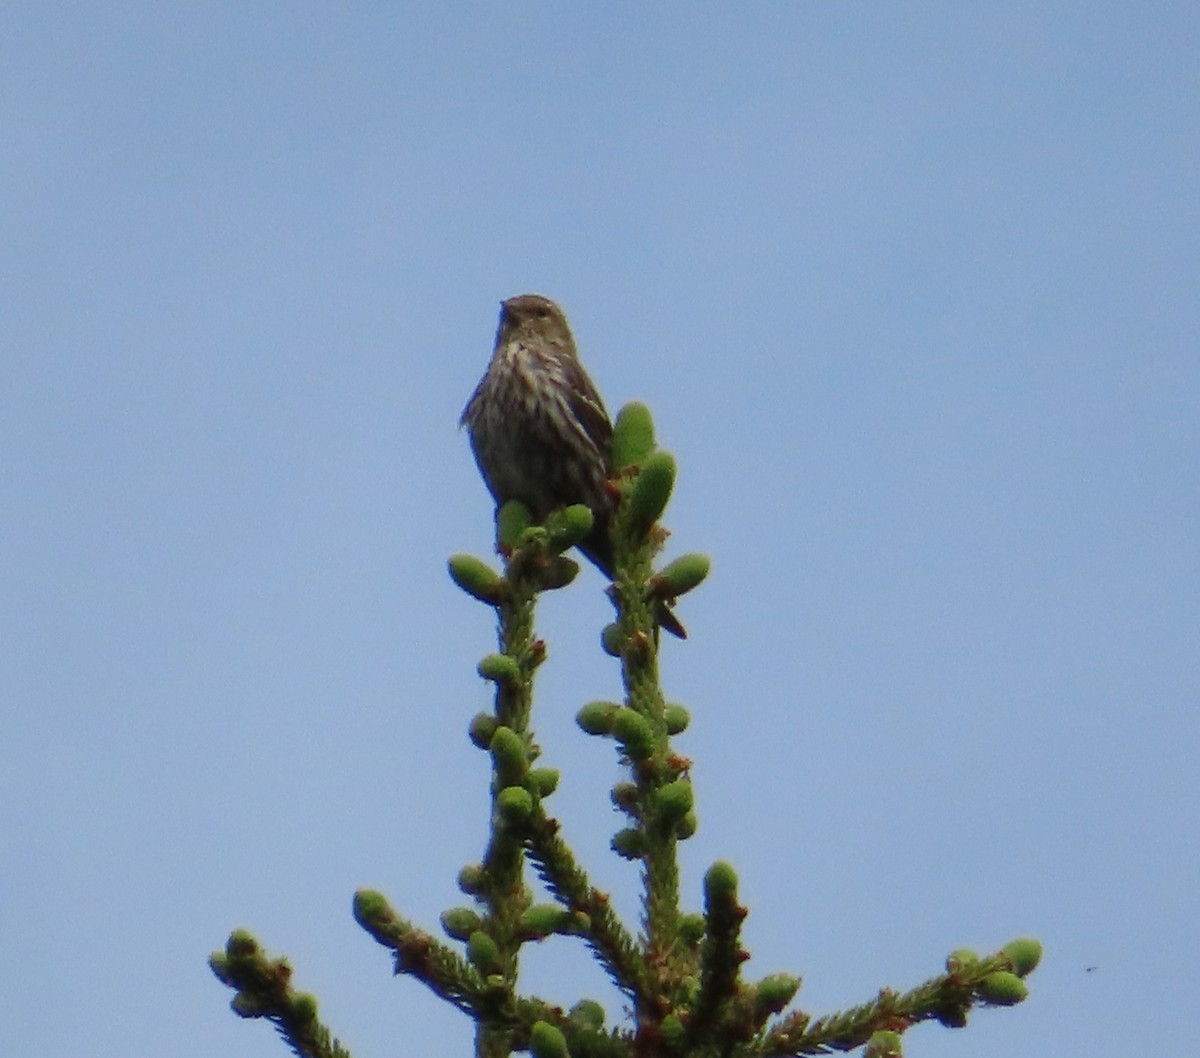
247, 1006
775, 992
960, 959
588, 1013
476, 578
544, 781
720, 884
568, 527
508, 753
499, 668
241, 944
626, 797
559, 572
483, 729
543, 919
612, 639
371, 906
218, 962
472, 879
673, 1032
634, 733
691, 989
884, 1044
532, 537
460, 922
1024, 954
596, 718
1002, 989
303, 1008
687, 826
674, 800
633, 435
652, 489
511, 521
483, 953
515, 804
545, 1041
680, 576
677, 718
629, 843
691, 928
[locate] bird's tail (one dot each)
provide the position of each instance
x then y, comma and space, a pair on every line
599, 553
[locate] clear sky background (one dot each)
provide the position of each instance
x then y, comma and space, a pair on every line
913, 292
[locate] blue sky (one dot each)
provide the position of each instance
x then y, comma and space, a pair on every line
912, 291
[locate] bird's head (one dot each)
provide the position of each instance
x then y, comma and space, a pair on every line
534, 316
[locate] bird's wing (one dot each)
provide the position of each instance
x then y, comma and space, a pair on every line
588, 408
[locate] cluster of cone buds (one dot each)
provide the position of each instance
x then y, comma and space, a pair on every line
645, 476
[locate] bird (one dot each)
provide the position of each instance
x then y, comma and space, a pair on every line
539, 430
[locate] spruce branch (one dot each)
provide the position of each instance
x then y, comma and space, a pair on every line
713, 1014
682, 973
969, 981
615, 949
645, 490
264, 990
533, 562
506, 1015
420, 955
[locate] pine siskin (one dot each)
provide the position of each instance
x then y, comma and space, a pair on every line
539, 430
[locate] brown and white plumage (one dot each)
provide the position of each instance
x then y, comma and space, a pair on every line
538, 428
